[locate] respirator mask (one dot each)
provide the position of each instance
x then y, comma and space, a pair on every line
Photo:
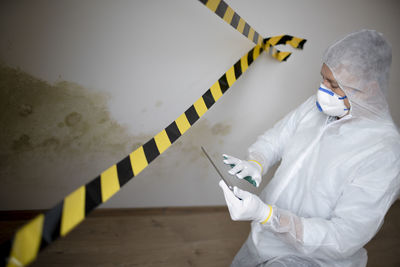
331, 103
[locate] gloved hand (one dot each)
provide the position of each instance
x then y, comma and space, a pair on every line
248, 208
243, 169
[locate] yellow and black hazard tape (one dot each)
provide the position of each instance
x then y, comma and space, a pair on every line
270, 42
295, 42
66, 215
45, 228
225, 12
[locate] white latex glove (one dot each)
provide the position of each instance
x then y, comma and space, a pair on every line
245, 206
249, 170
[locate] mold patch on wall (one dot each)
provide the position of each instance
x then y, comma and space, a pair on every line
54, 136
64, 117
221, 129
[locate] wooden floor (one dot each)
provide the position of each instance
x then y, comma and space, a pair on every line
171, 237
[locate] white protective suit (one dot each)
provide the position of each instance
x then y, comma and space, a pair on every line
337, 178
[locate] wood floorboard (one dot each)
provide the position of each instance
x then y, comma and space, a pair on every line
170, 237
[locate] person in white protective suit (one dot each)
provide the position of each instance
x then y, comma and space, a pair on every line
340, 166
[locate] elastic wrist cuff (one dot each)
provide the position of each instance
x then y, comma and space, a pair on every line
258, 164
269, 215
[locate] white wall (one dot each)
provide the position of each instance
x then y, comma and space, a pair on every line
146, 62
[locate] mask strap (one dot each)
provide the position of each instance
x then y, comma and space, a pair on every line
318, 106
326, 91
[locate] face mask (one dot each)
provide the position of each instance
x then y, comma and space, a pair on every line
331, 103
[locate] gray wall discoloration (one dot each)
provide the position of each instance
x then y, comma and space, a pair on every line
54, 136
62, 117
221, 129
60, 136
158, 104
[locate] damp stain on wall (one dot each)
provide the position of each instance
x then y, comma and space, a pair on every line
221, 129
55, 137
62, 117
158, 104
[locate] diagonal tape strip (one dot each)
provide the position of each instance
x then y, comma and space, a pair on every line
224, 11
26, 243
66, 215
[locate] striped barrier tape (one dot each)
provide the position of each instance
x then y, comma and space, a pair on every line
270, 42
295, 42
225, 12
57, 222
